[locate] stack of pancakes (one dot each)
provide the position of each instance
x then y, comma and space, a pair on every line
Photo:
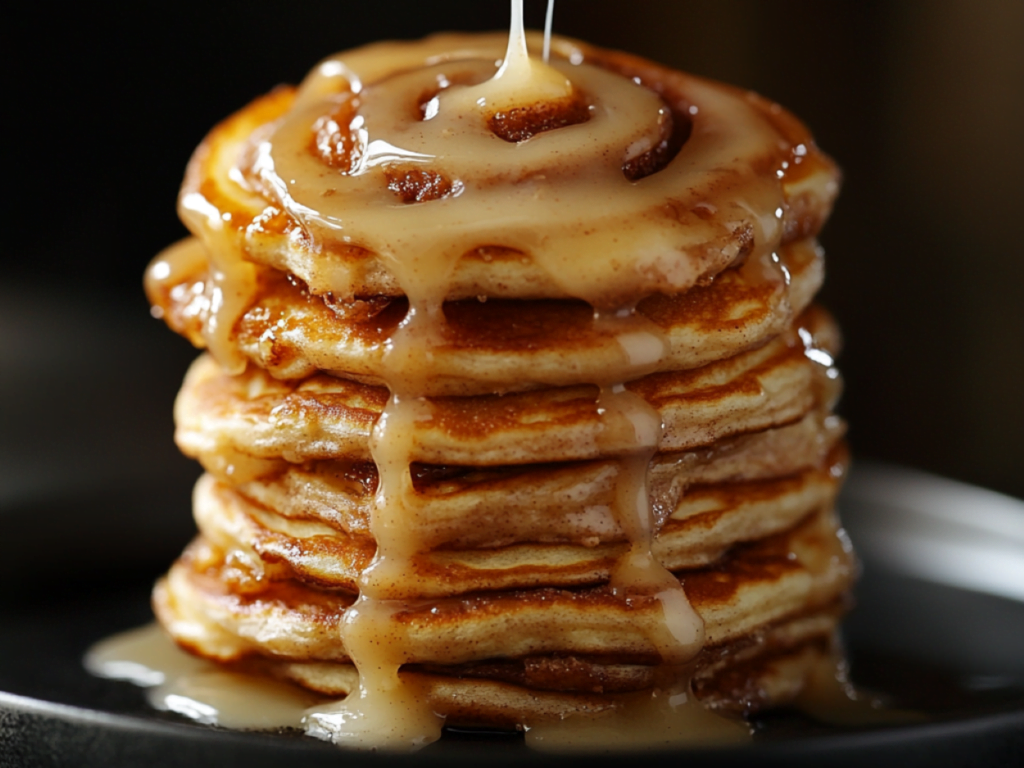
515, 429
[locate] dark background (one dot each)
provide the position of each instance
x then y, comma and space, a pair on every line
922, 103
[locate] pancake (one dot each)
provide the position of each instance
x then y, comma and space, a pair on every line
773, 667
707, 521
805, 567
516, 408
497, 345
327, 417
466, 507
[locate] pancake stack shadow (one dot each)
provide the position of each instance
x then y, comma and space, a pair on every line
514, 520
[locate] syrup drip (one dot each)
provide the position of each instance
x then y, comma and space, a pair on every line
638, 572
520, 80
175, 264
233, 281
548, 19
387, 713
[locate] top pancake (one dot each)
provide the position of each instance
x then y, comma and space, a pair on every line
721, 145
324, 215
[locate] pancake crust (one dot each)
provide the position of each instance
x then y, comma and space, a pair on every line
756, 585
324, 417
499, 345
467, 507
707, 521
739, 678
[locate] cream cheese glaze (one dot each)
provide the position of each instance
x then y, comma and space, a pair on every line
394, 168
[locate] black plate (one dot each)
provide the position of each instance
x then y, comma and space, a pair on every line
938, 626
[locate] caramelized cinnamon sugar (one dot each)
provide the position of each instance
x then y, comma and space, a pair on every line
412, 185
333, 138
522, 123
